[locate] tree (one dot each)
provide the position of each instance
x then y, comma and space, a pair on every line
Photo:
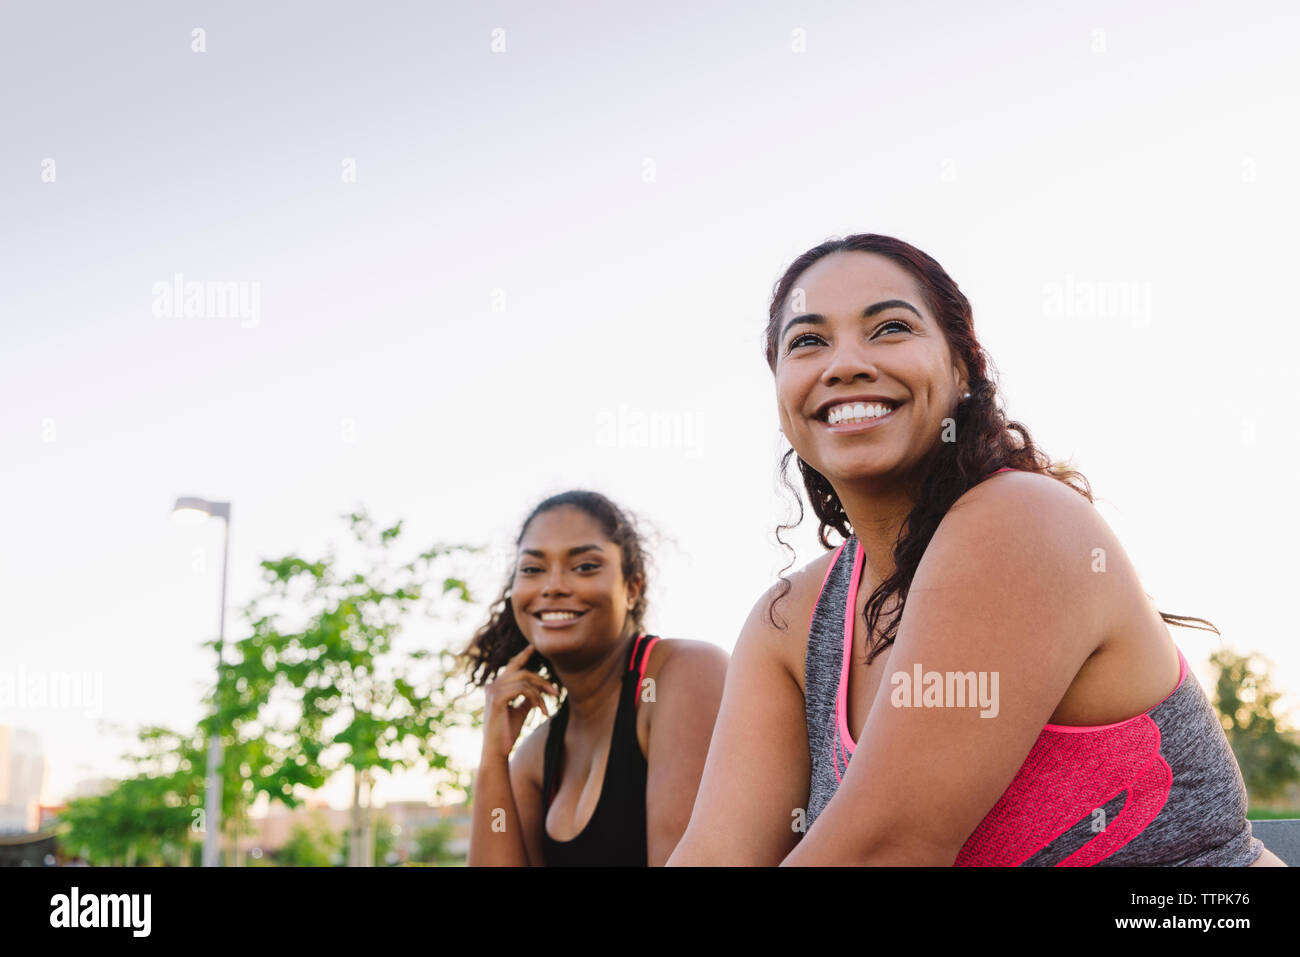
382, 841
145, 819
289, 702
432, 844
1268, 755
312, 844
322, 683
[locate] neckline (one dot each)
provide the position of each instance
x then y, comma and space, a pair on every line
609, 754
841, 694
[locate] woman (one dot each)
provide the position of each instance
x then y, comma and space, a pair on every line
1017, 709
610, 778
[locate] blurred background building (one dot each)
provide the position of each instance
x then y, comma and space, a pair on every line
22, 779
402, 821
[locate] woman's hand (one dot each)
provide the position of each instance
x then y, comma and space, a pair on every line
502, 718
507, 817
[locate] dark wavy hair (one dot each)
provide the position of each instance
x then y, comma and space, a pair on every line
500, 639
985, 439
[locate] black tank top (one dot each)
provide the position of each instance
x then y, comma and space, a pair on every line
616, 834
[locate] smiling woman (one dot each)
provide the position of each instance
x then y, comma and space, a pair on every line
1010, 584
611, 777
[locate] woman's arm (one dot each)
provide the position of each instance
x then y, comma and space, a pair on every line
755, 781
687, 691
505, 829
1006, 588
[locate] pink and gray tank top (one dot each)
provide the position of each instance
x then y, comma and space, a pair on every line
1159, 789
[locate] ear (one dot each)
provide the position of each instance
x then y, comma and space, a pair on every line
961, 376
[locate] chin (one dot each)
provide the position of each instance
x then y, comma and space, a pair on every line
850, 467
550, 642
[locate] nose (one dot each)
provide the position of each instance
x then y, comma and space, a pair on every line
554, 584
849, 359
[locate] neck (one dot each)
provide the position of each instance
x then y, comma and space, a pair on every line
594, 684
877, 514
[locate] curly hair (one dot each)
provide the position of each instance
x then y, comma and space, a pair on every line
500, 639
985, 439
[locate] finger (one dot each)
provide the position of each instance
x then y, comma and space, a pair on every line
518, 679
532, 696
537, 681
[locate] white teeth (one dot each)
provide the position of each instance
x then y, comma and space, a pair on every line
558, 615
857, 411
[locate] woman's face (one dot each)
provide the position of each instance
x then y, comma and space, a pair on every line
568, 593
863, 330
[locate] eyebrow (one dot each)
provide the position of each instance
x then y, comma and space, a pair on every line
578, 550
817, 319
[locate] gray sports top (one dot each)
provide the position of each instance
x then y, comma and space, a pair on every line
1160, 788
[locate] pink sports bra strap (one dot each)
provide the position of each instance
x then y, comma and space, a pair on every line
640, 658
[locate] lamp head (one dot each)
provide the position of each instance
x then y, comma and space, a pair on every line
191, 509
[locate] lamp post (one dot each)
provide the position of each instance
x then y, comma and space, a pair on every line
198, 507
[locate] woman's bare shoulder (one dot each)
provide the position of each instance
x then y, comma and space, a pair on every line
684, 654
682, 685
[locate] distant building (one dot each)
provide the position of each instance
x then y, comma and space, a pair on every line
47, 815
22, 778
406, 818
92, 787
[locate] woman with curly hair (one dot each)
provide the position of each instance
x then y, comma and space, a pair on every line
1020, 701
610, 778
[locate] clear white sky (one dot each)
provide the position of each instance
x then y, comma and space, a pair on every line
462, 330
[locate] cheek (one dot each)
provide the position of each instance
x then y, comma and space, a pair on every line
604, 593
520, 595
786, 402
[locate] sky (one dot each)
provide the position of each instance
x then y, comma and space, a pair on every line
474, 248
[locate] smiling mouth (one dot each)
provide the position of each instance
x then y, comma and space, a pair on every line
858, 413
558, 616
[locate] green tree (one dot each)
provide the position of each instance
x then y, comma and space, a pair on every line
432, 844
310, 844
380, 838
284, 697
149, 818
382, 829
1267, 753
323, 683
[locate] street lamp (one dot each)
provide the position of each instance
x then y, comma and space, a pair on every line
189, 507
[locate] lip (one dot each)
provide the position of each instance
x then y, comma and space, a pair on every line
842, 399
559, 623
